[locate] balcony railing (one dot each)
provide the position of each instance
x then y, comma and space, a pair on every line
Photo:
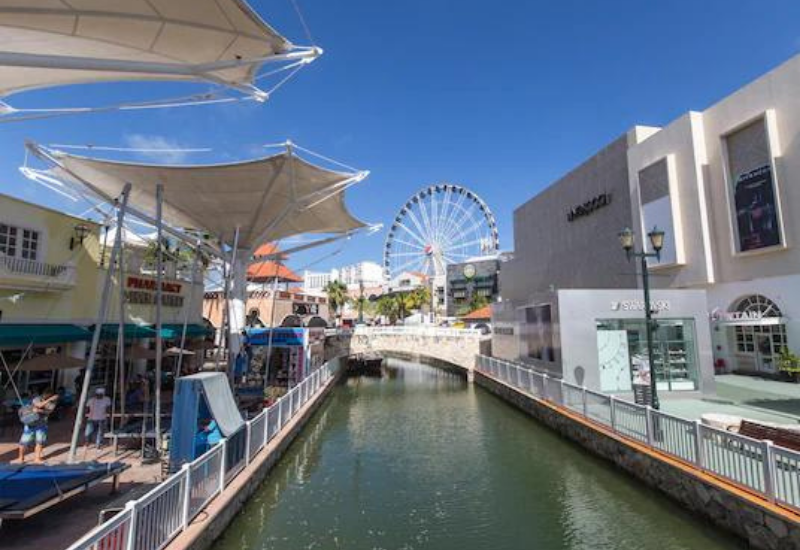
24, 266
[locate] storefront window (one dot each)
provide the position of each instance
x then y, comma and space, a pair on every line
622, 347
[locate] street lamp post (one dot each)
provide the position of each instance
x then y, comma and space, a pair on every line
626, 239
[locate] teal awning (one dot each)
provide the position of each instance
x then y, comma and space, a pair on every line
22, 335
171, 331
131, 331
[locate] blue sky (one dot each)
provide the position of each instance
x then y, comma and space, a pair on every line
502, 97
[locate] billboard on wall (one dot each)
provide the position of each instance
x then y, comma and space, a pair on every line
756, 209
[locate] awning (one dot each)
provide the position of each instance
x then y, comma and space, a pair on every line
51, 43
268, 199
52, 361
131, 331
22, 335
174, 331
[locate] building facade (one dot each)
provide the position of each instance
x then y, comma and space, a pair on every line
366, 274
287, 308
722, 184
471, 284
52, 270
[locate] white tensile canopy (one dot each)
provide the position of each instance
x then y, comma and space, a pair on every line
267, 199
46, 43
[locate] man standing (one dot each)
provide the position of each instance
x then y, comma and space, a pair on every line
97, 417
34, 418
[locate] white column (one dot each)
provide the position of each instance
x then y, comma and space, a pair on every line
237, 302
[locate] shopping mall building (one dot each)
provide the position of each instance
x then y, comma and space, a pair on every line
724, 184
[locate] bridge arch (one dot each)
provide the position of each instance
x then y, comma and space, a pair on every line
457, 347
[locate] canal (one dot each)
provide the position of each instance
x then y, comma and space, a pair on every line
421, 460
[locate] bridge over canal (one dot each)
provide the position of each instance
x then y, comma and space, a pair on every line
459, 347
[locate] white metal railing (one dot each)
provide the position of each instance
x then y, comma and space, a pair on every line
152, 521
33, 267
422, 330
765, 469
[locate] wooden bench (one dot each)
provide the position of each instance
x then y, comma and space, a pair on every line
779, 436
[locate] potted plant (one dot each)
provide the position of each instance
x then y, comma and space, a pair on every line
789, 363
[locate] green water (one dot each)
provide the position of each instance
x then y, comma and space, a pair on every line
421, 460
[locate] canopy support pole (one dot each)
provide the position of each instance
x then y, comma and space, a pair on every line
228, 323
121, 327
272, 317
159, 300
237, 303
187, 305
98, 327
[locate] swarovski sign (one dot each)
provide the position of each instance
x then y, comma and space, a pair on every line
604, 199
638, 305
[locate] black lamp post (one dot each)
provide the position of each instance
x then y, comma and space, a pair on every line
627, 239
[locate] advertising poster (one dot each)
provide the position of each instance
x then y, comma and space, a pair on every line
615, 363
756, 209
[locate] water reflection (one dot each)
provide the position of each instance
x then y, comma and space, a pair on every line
420, 460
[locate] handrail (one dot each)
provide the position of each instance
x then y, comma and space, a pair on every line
760, 467
153, 520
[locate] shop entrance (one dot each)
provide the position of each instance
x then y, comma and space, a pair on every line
758, 333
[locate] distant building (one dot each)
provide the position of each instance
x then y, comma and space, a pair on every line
408, 280
467, 282
366, 274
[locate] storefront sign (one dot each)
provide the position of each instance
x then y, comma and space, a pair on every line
756, 209
504, 331
142, 291
281, 337
145, 283
734, 316
589, 206
300, 308
638, 305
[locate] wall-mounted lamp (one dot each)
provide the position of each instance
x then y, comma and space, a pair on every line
79, 233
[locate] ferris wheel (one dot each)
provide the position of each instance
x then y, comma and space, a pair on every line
437, 226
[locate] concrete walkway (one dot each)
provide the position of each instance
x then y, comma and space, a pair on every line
746, 396
65, 522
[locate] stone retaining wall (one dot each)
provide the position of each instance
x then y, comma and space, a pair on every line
761, 524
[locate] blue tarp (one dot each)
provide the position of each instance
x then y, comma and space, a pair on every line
23, 487
203, 395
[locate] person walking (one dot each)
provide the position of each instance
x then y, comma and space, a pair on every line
97, 417
34, 420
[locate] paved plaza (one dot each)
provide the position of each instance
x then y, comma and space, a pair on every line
746, 396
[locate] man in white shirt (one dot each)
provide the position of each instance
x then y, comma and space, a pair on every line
97, 417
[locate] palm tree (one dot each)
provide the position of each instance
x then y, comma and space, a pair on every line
388, 306
422, 297
337, 297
